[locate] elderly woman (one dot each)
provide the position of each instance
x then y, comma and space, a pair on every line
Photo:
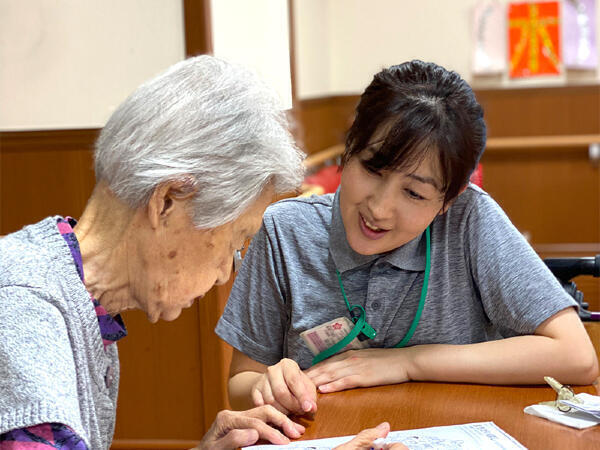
185, 168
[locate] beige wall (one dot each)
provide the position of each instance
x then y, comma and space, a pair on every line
69, 63
312, 46
340, 44
255, 33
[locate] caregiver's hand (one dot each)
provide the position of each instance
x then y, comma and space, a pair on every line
287, 388
364, 439
361, 368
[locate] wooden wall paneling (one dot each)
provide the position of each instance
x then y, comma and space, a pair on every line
551, 195
541, 111
565, 142
215, 354
323, 122
44, 173
160, 394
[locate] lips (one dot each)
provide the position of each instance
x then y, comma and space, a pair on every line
369, 230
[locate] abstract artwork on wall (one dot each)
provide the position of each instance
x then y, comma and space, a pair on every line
534, 39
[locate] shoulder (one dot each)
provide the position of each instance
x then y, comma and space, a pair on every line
472, 197
473, 217
27, 310
37, 273
474, 204
299, 206
34, 341
295, 227
28, 254
310, 213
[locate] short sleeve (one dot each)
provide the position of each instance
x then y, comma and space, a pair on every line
517, 290
38, 382
256, 315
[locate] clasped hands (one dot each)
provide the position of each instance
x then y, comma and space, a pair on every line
290, 390
286, 389
294, 391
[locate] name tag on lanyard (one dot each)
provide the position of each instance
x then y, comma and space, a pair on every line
326, 335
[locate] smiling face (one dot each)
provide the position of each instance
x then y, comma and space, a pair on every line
382, 211
180, 263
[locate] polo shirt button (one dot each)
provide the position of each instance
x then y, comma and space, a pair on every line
375, 305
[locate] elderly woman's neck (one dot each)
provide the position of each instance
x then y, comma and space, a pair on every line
102, 233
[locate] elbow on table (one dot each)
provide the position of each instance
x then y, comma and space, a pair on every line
235, 397
239, 389
593, 371
585, 369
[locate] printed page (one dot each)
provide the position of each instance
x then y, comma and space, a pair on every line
471, 436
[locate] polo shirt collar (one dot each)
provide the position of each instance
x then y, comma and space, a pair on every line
410, 256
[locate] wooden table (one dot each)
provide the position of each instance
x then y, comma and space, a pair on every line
419, 405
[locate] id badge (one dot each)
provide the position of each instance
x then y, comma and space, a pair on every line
324, 336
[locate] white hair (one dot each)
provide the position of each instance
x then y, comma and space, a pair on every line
205, 120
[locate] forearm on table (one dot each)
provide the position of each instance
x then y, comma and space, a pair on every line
240, 389
516, 360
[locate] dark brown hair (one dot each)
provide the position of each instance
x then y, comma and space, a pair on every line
422, 107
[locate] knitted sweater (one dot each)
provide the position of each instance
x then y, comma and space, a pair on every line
53, 366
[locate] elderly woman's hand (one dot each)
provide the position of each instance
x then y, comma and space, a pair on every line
232, 429
286, 387
364, 440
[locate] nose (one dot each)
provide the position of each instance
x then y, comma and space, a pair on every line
382, 201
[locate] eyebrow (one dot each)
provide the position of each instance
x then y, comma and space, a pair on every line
427, 180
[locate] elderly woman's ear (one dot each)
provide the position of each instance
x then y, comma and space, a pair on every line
168, 196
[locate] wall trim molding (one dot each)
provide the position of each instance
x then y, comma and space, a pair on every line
39, 140
326, 99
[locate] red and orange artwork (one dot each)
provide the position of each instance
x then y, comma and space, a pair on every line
534, 39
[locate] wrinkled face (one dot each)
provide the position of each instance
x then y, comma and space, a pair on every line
185, 262
384, 210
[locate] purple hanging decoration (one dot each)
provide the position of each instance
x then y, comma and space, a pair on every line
579, 34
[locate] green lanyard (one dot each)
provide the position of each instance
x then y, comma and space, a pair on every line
360, 323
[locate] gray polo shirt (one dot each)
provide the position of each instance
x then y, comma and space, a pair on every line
486, 282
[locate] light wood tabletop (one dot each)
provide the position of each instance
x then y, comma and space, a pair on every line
420, 405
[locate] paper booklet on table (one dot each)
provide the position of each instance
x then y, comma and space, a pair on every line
469, 436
